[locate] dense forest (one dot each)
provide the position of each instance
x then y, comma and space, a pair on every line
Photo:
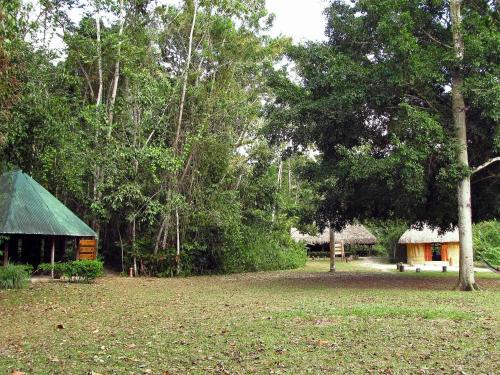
147, 123
179, 134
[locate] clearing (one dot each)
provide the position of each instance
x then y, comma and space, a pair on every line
358, 320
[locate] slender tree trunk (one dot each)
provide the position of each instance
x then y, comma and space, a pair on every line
289, 176
97, 170
186, 75
280, 174
158, 236
333, 268
99, 54
116, 74
178, 243
466, 267
133, 246
121, 248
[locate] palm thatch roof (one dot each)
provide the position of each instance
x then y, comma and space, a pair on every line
428, 235
352, 234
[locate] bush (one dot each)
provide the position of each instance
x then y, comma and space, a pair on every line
487, 241
388, 233
77, 270
14, 276
264, 251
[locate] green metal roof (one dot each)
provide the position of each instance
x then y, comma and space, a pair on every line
26, 207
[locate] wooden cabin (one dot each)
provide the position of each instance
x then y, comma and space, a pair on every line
354, 234
35, 227
427, 246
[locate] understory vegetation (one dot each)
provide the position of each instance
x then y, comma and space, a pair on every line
75, 271
14, 276
487, 241
358, 320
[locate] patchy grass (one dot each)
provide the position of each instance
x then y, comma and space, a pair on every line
299, 321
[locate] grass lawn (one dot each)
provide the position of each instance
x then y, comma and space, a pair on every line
300, 321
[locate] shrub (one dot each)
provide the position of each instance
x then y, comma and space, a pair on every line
59, 268
14, 276
263, 250
77, 270
487, 241
388, 233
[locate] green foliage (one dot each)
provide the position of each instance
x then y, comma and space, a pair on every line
373, 101
387, 233
264, 251
77, 270
487, 241
14, 276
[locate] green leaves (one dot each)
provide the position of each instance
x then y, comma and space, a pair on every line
374, 101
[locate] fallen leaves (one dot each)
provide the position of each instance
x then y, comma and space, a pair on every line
280, 322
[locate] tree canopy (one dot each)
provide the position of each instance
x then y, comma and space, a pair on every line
375, 101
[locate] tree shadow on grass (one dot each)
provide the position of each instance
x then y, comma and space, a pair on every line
371, 280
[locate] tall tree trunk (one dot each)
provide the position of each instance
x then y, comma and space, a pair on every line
97, 170
466, 267
99, 54
116, 74
133, 246
186, 75
280, 173
333, 268
289, 176
121, 248
178, 243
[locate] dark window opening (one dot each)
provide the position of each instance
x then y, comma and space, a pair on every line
436, 252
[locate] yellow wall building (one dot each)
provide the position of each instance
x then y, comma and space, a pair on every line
427, 246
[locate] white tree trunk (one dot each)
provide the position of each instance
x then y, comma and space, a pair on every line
97, 170
99, 54
116, 74
466, 267
186, 75
178, 243
333, 267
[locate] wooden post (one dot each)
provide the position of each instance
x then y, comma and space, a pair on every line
332, 249
52, 255
342, 249
6, 253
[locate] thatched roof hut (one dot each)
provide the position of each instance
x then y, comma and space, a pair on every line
428, 235
427, 246
351, 235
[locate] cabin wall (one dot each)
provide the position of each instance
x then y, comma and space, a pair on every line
415, 253
454, 253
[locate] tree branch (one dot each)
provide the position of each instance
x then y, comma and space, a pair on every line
484, 165
436, 40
